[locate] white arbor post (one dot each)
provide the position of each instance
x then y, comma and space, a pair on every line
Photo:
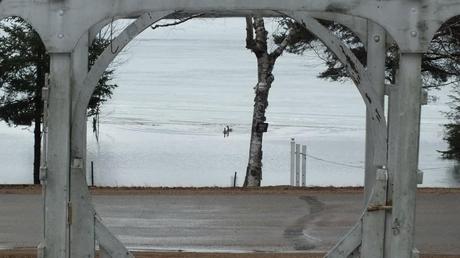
392, 136
82, 233
56, 179
375, 154
404, 134
365, 234
292, 162
85, 226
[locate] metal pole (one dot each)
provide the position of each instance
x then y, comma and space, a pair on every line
292, 161
304, 165
234, 180
297, 165
403, 158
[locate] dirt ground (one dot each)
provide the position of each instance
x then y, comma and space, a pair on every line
31, 253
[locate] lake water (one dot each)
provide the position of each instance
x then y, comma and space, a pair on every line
180, 86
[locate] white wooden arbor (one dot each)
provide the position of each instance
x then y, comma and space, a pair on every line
386, 227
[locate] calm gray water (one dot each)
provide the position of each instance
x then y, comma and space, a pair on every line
180, 86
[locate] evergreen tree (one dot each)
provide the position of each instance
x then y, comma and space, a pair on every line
452, 129
440, 65
24, 64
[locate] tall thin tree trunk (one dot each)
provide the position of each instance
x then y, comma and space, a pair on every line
254, 168
257, 43
265, 78
38, 113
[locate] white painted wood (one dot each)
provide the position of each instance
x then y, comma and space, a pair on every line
43, 161
41, 250
292, 162
374, 218
370, 83
103, 253
304, 165
399, 18
297, 165
357, 73
403, 158
356, 24
110, 244
375, 155
415, 253
393, 107
349, 243
88, 85
56, 196
62, 23
44, 147
96, 29
82, 226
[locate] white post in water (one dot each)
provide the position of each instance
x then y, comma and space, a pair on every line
297, 165
304, 165
292, 160
298, 157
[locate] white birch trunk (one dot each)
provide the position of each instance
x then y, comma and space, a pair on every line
265, 64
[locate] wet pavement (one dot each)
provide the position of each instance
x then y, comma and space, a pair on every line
236, 223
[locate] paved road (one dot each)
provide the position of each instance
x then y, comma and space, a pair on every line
237, 222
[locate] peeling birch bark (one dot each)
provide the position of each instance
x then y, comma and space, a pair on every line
256, 41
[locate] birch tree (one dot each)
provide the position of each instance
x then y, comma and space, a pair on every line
256, 41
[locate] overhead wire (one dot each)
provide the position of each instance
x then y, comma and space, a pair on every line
333, 162
357, 166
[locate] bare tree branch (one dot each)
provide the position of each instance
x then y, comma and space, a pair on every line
179, 21
280, 49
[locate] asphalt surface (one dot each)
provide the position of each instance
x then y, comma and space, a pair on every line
234, 222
